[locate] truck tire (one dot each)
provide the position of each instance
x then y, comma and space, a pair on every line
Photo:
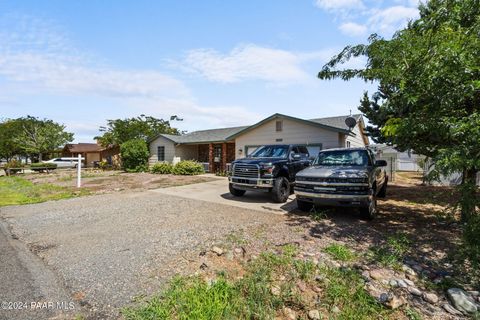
304, 205
383, 192
370, 212
235, 192
281, 190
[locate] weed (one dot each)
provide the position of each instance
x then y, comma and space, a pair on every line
319, 214
412, 314
340, 252
391, 253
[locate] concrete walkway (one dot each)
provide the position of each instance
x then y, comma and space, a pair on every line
217, 192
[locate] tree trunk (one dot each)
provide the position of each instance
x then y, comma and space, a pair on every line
468, 201
40, 157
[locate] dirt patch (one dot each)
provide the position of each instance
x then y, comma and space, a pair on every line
99, 182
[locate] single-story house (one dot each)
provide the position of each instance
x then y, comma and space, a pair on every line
89, 151
216, 148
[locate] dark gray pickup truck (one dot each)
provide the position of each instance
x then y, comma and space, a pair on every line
343, 177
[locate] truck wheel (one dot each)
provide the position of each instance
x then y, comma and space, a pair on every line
304, 205
281, 190
383, 192
370, 212
235, 192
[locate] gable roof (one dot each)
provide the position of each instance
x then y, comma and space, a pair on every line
204, 136
226, 134
82, 147
329, 125
337, 122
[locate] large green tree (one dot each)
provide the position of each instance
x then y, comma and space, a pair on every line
9, 129
143, 127
428, 97
38, 136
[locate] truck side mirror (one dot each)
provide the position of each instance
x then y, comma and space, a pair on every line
380, 163
296, 157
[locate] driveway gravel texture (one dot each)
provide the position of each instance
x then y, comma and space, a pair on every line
109, 250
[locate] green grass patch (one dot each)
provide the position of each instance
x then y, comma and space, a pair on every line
391, 253
340, 252
16, 190
252, 296
345, 291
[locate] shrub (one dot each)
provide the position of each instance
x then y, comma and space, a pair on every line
12, 167
162, 168
40, 166
188, 168
134, 155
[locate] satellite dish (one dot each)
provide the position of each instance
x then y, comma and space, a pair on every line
350, 122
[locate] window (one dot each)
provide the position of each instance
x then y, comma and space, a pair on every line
161, 153
348, 144
279, 125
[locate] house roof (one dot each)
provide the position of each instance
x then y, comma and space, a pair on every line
205, 136
227, 134
83, 147
337, 122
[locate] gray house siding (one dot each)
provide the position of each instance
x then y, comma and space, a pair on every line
169, 149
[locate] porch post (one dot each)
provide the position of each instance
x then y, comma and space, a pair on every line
224, 156
211, 164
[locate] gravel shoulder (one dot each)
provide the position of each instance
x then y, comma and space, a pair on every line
108, 250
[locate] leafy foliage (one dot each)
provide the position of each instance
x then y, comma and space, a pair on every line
134, 155
162, 168
30, 135
143, 127
188, 168
428, 97
340, 252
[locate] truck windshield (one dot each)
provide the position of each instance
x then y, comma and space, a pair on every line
342, 158
270, 152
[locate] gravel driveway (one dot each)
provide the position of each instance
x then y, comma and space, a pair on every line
108, 249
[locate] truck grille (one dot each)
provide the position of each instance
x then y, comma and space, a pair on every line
333, 180
246, 170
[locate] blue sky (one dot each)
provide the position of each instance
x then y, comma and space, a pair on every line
212, 63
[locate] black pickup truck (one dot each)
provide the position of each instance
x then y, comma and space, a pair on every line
343, 177
270, 168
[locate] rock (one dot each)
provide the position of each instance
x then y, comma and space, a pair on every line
430, 297
314, 315
376, 274
217, 250
301, 286
418, 268
402, 283
409, 282
203, 266
366, 275
289, 313
385, 297
411, 277
461, 300
408, 270
474, 293
396, 302
447, 307
275, 290
335, 309
414, 291
317, 289
393, 283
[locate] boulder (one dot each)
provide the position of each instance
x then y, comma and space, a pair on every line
430, 297
217, 250
314, 315
462, 301
414, 291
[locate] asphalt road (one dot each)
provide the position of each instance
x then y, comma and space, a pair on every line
105, 251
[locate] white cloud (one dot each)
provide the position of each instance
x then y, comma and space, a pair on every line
353, 29
339, 5
251, 62
387, 21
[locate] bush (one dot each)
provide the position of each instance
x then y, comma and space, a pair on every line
188, 168
13, 166
40, 166
162, 168
134, 155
